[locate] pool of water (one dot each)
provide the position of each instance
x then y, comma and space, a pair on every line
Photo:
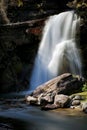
22, 116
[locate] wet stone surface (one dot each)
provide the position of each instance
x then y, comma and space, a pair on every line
5, 126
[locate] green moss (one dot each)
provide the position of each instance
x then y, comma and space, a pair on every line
83, 94
84, 88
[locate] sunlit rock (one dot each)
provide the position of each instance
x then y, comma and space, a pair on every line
55, 93
63, 84
84, 107
75, 103
31, 100
61, 100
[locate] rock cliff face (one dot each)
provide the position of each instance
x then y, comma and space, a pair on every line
18, 47
23, 10
80, 6
20, 39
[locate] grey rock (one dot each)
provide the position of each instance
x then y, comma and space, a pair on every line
71, 96
75, 103
48, 98
49, 107
31, 100
84, 107
77, 97
63, 84
61, 100
55, 91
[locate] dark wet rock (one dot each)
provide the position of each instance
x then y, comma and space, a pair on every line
18, 48
70, 84
4, 126
31, 9
80, 7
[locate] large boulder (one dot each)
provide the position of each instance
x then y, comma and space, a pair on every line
80, 7
55, 93
63, 84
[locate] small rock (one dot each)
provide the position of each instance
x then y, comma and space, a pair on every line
72, 107
61, 100
84, 107
75, 103
39, 98
49, 107
77, 97
31, 100
44, 99
71, 97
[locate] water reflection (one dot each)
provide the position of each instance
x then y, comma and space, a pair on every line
32, 118
25, 117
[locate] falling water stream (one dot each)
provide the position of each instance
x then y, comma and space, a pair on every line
57, 52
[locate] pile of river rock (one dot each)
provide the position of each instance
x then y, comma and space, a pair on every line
56, 93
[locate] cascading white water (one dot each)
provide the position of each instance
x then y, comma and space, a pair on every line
57, 52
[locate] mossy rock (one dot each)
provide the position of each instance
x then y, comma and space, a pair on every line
83, 95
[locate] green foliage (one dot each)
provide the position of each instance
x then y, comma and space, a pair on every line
84, 87
81, 8
20, 3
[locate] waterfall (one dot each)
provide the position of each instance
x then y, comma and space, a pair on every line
57, 52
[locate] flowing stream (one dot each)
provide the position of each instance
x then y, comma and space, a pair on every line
57, 52
18, 115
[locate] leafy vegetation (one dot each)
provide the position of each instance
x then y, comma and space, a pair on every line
83, 95
81, 7
20, 3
